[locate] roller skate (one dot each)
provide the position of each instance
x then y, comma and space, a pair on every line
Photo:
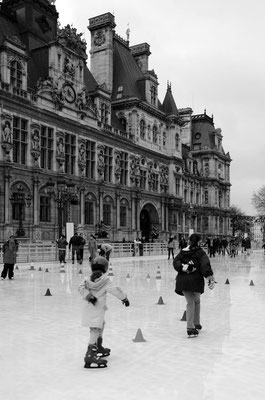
92, 360
102, 351
192, 332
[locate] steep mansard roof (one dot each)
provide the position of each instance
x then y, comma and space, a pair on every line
126, 73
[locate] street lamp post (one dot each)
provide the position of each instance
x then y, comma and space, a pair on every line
64, 195
21, 200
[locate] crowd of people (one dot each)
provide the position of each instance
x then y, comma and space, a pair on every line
77, 247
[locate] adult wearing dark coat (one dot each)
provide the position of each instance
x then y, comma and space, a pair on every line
9, 249
193, 265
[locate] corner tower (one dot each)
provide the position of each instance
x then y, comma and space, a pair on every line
101, 53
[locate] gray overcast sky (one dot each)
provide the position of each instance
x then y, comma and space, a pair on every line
212, 52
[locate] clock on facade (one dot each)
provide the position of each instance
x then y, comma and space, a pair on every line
69, 93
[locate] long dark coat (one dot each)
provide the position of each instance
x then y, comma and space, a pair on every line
193, 281
10, 251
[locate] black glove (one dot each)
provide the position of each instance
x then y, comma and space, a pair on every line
126, 302
91, 298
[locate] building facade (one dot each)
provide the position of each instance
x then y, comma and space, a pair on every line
95, 146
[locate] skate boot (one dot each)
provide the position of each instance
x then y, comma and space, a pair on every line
198, 327
192, 332
102, 351
92, 360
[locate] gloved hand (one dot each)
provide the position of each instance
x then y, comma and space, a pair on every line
211, 282
125, 302
185, 267
91, 298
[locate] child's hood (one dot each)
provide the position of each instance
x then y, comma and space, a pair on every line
98, 284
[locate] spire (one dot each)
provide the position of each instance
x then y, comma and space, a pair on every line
169, 105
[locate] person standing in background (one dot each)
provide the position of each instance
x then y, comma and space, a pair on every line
62, 244
9, 249
75, 243
170, 247
81, 248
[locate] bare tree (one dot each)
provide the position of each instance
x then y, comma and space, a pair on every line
237, 218
258, 200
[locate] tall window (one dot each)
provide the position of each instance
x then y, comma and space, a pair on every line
142, 179
16, 74
107, 214
155, 182
177, 186
124, 168
90, 159
108, 159
124, 124
155, 134
164, 139
123, 215
20, 140
177, 141
153, 95
70, 151
89, 212
142, 129
45, 209
104, 113
46, 147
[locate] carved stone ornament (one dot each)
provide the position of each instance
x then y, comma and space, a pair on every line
73, 40
99, 38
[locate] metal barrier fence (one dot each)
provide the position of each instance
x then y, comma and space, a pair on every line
29, 252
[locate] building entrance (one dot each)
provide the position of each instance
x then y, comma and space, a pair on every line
149, 223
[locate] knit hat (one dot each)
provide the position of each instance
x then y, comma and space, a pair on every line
194, 240
100, 264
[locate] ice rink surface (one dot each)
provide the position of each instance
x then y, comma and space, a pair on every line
43, 344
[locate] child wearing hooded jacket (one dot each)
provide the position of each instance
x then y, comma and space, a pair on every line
94, 291
193, 265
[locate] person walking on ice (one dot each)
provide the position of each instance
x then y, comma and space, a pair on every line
94, 290
193, 265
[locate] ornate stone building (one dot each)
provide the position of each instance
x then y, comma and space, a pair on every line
95, 146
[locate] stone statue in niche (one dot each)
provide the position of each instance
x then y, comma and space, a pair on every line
82, 153
101, 162
69, 67
60, 147
7, 135
35, 140
118, 166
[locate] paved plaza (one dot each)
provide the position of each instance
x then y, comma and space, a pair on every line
43, 344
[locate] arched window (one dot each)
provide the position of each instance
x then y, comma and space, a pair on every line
90, 207
142, 129
123, 213
16, 74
